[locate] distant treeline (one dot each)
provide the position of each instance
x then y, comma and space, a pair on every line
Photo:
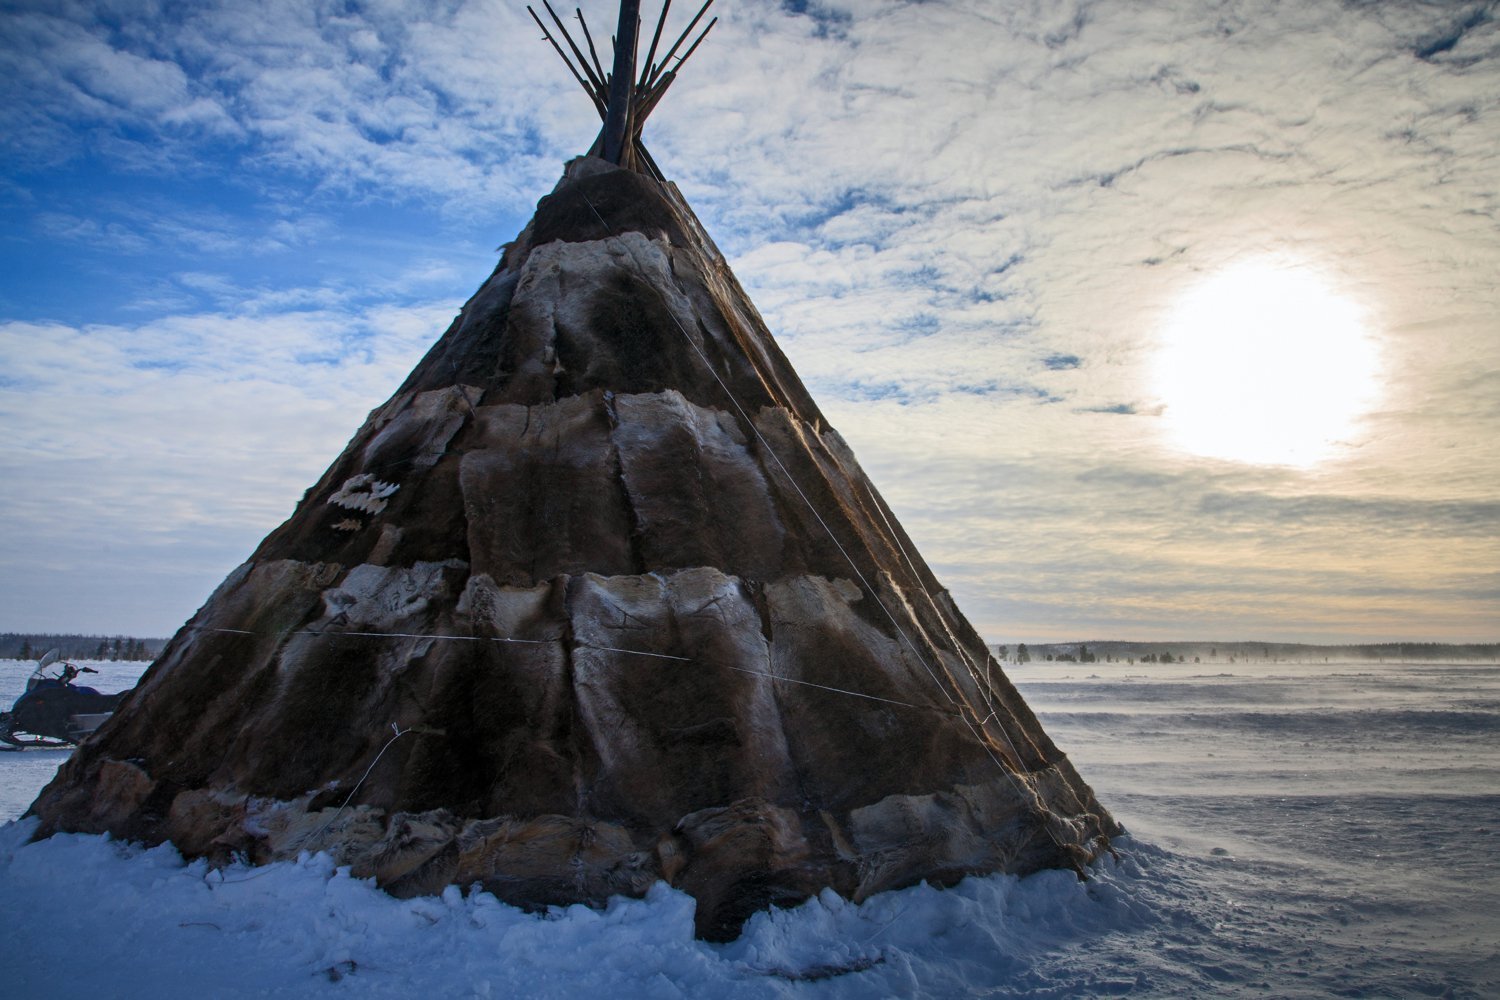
30, 646
1113, 651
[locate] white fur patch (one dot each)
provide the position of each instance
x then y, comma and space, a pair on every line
364, 492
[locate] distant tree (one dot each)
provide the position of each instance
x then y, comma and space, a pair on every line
25, 653
1001, 652
1213, 653
1197, 659
1023, 655
102, 653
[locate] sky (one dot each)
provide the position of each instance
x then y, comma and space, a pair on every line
1151, 320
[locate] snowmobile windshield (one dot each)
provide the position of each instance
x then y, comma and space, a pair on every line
54, 671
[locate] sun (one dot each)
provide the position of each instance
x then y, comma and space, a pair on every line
1265, 363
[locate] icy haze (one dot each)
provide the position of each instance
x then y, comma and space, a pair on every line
1298, 830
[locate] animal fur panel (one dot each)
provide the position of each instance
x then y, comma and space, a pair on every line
597, 599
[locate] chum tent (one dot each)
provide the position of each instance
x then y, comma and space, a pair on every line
597, 599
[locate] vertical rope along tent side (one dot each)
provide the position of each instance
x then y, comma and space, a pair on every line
1023, 789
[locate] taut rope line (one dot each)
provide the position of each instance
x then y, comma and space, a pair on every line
978, 734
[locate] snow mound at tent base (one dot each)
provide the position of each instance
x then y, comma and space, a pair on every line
123, 920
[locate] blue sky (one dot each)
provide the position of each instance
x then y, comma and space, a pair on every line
231, 229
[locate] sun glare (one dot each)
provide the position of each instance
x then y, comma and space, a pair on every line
1264, 363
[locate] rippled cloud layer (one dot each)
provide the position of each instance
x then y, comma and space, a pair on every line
236, 227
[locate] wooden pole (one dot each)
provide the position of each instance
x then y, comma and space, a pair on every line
622, 83
572, 45
681, 38
593, 94
661, 22
590, 39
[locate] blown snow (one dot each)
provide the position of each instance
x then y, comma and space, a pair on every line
1298, 830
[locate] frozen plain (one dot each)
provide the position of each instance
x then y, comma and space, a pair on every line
1297, 830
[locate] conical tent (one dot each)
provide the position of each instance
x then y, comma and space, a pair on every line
597, 599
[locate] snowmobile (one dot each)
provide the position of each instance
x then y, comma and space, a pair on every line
53, 711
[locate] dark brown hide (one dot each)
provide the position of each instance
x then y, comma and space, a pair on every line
633, 605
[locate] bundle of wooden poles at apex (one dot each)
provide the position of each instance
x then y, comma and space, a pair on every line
623, 99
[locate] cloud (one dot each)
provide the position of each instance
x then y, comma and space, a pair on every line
139, 229
1376, 515
416, 98
82, 229
179, 442
1441, 44
955, 215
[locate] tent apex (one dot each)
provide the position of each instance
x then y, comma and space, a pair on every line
623, 101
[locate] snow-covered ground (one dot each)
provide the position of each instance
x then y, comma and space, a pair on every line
1298, 831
